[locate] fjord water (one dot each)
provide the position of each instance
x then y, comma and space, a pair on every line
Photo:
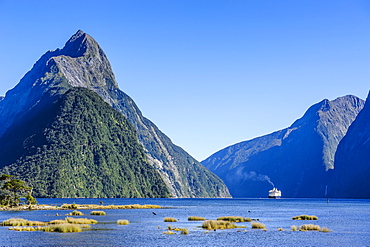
349, 220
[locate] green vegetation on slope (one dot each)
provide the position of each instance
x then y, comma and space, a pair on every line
11, 191
83, 63
79, 146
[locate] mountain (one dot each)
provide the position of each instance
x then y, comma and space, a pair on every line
350, 178
79, 146
82, 63
295, 159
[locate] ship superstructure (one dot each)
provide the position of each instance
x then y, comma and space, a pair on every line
274, 193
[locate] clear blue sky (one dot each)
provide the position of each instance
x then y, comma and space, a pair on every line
208, 73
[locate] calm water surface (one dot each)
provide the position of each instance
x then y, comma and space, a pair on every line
349, 220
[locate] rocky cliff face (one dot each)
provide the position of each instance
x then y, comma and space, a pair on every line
82, 63
295, 159
350, 178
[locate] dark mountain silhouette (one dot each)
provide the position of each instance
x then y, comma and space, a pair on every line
350, 178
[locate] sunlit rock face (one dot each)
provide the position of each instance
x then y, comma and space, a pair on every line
82, 63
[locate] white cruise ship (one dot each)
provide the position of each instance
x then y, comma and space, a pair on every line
274, 193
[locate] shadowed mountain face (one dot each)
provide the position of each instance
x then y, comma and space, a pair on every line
82, 63
79, 146
295, 159
350, 178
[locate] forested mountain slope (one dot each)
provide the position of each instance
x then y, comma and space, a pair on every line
79, 146
82, 63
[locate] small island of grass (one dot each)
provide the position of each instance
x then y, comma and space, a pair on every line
69, 224
305, 217
218, 224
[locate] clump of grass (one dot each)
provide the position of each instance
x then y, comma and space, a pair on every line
169, 232
98, 213
123, 222
325, 229
19, 228
75, 213
67, 227
177, 229
258, 225
218, 224
36, 223
309, 227
54, 222
196, 218
280, 229
305, 217
14, 222
21, 222
294, 228
170, 219
80, 220
234, 219
70, 206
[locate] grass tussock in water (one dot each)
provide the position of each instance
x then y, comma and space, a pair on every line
170, 219
196, 218
26, 228
54, 222
75, 213
184, 231
66, 227
312, 227
257, 225
21, 222
69, 224
69, 206
305, 217
294, 228
325, 229
218, 224
80, 220
234, 219
309, 227
177, 229
98, 213
123, 222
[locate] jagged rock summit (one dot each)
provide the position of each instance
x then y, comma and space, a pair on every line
296, 159
82, 63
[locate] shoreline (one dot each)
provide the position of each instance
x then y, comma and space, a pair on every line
78, 206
